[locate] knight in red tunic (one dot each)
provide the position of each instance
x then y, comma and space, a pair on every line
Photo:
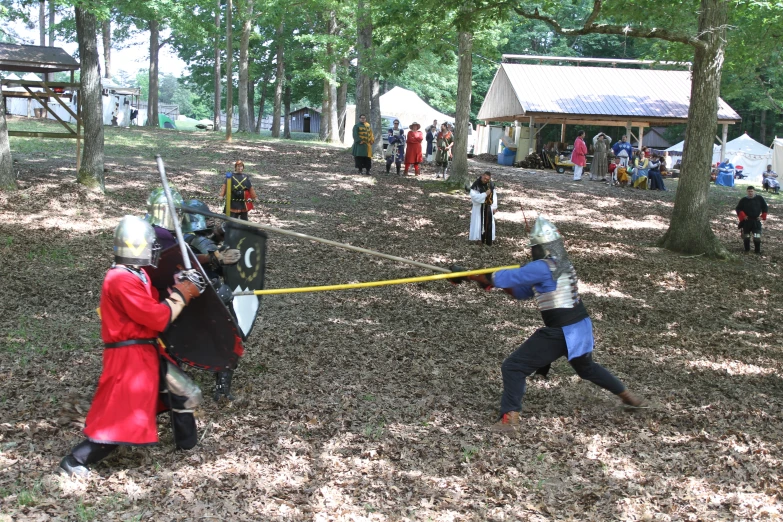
126, 403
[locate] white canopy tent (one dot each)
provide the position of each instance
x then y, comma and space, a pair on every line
777, 155
402, 104
748, 153
676, 149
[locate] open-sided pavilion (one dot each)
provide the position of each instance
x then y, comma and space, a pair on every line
583, 95
43, 60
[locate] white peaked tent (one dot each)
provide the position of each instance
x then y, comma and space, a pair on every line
777, 155
676, 149
402, 104
750, 154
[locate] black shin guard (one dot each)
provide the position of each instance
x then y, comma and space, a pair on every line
747, 244
757, 245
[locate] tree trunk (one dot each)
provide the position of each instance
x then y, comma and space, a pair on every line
251, 94
244, 43
342, 99
763, 126
42, 22
218, 89
106, 29
91, 171
689, 229
279, 81
152, 95
51, 23
287, 126
363, 72
7, 178
229, 71
332, 126
459, 166
375, 117
323, 128
264, 84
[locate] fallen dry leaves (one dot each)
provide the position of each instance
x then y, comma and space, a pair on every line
374, 404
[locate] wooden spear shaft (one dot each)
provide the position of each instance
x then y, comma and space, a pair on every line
318, 239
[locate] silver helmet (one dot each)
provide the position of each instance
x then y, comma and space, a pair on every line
135, 243
195, 222
546, 236
158, 212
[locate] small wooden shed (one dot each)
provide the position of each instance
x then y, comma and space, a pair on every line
306, 119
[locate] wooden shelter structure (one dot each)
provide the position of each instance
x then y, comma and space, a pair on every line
43, 60
590, 95
306, 119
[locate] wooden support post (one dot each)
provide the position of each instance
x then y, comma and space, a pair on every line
725, 136
640, 137
532, 138
629, 132
562, 132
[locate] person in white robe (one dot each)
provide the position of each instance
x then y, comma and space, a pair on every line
484, 197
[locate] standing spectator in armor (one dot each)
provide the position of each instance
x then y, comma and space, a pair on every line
751, 211
242, 192
395, 151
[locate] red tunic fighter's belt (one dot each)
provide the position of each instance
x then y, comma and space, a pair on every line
131, 342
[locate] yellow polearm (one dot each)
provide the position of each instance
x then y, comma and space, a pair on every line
228, 194
351, 286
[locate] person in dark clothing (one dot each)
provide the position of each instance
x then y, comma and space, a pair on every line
432, 132
551, 280
751, 211
242, 192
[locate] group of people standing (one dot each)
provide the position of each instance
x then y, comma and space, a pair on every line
623, 165
404, 148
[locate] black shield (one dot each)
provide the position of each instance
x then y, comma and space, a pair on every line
247, 274
204, 334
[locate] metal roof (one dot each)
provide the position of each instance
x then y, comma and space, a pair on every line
591, 94
35, 58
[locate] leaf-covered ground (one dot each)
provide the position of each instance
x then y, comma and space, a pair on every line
375, 404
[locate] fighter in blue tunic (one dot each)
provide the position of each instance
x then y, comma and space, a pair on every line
568, 332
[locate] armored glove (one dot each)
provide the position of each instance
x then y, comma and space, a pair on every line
189, 284
227, 257
457, 280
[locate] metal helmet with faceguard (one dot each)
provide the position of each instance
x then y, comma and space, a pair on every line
135, 243
158, 212
546, 243
196, 222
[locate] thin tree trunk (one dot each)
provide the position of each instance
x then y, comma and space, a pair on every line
332, 126
106, 29
152, 95
279, 81
229, 71
323, 128
375, 117
459, 166
91, 171
763, 126
7, 178
364, 50
287, 125
51, 23
218, 89
244, 43
264, 85
251, 94
689, 229
342, 98
42, 22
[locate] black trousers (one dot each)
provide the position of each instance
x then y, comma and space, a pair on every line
363, 162
240, 215
544, 347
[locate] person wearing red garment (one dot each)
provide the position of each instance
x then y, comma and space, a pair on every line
126, 403
413, 150
751, 211
579, 155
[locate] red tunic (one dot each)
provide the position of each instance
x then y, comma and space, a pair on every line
126, 402
413, 147
578, 156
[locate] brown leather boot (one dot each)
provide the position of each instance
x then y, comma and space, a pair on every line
631, 400
509, 423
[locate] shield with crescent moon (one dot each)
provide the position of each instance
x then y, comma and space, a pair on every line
247, 274
205, 332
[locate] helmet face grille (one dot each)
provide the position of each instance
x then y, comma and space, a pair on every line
543, 232
158, 212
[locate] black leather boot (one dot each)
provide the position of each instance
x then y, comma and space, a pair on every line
73, 468
746, 242
757, 245
223, 385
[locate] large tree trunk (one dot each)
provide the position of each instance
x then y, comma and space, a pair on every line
330, 116
287, 125
763, 126
51, 23
106, 29
152, 95
363, 72
91, 170
229, 71
279, 82
264, 85
42, 22
689, 229
342, 99
218, 89
7, 179
244, 43
323, 128
251, 94
459, 167
375, 117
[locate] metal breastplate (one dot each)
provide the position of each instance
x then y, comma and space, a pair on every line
202, 244
565, 295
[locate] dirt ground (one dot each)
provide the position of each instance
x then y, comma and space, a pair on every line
375, 404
